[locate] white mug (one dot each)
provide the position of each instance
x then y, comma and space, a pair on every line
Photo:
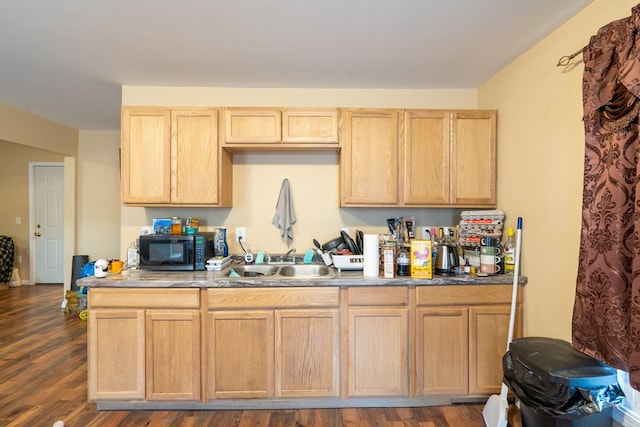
489, 264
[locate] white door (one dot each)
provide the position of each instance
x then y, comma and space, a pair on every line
49, 224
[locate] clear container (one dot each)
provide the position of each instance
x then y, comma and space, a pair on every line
403, 262
176, 225
133, 258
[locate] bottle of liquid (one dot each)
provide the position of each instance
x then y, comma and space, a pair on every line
509, 253
403, 263
133, 258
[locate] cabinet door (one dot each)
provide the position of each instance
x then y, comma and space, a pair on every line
474, 158
489, 330
146, 169
369, 158
194, 157
240, 351
426, 154
253, 126
115, 354
442, 350
310, 126
173, 355
307, 353
378, 358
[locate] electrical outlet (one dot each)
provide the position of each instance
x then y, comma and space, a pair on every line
425, 232
241, 234
19, 259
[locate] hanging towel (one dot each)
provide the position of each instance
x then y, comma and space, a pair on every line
285, 217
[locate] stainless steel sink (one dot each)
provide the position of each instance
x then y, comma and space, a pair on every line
305, 270
253, 270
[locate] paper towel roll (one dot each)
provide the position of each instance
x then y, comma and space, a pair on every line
371, 253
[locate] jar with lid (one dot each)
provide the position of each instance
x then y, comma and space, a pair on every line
176, 225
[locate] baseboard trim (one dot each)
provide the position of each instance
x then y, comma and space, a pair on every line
626, 416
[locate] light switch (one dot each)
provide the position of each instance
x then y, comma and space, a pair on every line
18, 220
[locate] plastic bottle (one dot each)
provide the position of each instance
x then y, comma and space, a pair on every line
403, 263
133, 259
509, 253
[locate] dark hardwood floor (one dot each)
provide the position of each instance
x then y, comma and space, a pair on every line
43, 378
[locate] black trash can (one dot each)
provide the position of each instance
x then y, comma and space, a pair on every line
558, 386
77, 262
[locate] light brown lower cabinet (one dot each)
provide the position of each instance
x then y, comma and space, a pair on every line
378, 342
461, 336
115, 347
144, 344
292, 343
173, 354
273, 342
442, 350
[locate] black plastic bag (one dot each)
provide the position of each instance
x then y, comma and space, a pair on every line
553, 379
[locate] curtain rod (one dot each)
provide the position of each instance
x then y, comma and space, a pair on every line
565, 60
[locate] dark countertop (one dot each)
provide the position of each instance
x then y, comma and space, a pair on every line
217, 279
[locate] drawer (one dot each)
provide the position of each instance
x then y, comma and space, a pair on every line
144, 298
465, 295
273, 297
378, 295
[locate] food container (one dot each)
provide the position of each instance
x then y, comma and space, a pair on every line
421, 259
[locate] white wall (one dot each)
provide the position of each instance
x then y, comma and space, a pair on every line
99, 188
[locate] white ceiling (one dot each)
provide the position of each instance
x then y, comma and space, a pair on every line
66, 60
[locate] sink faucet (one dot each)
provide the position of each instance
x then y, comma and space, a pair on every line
290, 252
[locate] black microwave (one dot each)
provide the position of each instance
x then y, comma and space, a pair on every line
175, 252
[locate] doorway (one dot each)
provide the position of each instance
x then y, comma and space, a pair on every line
46, 219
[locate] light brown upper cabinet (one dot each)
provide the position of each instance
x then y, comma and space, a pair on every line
473, 158
426, 157
449, 158
250, 129
418, 158
171, 157
369, 158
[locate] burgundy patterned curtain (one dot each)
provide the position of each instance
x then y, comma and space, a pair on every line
606, 316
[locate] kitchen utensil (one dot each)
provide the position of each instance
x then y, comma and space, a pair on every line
495, 412
350, 243
337, 243
360, 240
316, 244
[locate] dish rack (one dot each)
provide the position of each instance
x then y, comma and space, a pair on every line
348, 262
477, 224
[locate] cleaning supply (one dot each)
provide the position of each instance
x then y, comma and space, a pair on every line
509, 254
308, 256
233, 273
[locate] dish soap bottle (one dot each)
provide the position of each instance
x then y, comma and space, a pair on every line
509, 252
133, 258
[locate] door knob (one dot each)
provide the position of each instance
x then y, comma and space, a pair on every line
37, 234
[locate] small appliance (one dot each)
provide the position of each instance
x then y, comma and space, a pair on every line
446, 260
170, 252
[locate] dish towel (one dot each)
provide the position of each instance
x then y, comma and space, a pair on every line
285, 217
